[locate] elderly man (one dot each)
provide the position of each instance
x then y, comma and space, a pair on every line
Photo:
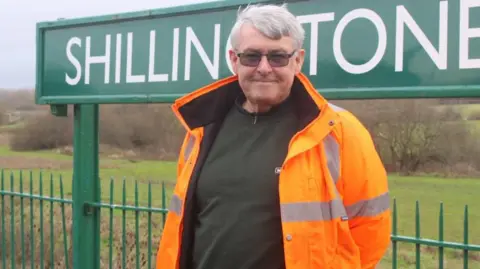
271, 175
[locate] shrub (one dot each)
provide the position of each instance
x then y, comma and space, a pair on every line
412, 135
43, 132
149, 130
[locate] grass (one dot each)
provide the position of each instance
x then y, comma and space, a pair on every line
121, 230
146, 176
44, 154
135, 183
124, 234
467, 109
475, 124
118, 168
430, 192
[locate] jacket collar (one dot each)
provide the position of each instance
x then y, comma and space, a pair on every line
210, 104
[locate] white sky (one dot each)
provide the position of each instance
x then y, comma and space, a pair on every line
18, 20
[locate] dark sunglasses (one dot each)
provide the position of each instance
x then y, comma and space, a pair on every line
275, 59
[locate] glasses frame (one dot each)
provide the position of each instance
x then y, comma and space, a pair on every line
268, 55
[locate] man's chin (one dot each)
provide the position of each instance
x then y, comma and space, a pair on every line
265, 100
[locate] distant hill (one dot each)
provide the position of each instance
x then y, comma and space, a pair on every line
17, 105
460, 101
18, 100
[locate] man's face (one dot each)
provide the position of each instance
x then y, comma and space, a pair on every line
266, 83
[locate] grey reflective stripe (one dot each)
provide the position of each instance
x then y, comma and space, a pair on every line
336, 108
332, 151
176, 205
312, 211
189, 147
371, 207
320, 211
326, 211
341, 211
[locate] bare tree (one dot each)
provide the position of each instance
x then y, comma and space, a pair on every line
413, 134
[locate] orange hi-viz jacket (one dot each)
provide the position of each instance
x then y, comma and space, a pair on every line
334, 200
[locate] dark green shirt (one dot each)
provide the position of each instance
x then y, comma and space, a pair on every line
238, 220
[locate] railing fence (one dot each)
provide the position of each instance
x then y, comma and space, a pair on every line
36, 224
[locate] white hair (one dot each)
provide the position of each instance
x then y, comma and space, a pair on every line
272, 21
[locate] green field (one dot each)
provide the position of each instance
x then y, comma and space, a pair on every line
429, 191
467, 109
475, 124
132, 182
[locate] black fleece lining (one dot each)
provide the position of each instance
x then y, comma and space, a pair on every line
213, 106
305, 107
210, 107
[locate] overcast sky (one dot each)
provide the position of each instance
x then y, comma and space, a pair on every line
17, 29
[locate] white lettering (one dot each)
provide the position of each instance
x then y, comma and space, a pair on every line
176, 44
78, 67
314, 20
466, 33
152, 77
208, 46
439, 57
381, 47
212, 66
118, 58
104, 59
130, 77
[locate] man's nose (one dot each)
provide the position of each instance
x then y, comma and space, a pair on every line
264, 66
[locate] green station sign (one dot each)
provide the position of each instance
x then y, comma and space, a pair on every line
354, 49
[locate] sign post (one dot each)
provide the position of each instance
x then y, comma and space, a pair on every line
354, 50
86, 187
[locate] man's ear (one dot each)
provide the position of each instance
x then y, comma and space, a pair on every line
299, 60
233, 60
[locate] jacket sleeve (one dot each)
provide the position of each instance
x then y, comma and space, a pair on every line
365, 193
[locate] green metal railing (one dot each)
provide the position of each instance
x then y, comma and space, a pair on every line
30, 216
36, 224
418, 241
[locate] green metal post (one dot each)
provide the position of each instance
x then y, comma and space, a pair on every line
394, 232
417, 235
164, 202
465, 237
440, 238
86, 188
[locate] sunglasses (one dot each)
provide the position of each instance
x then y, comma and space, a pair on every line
275, 59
